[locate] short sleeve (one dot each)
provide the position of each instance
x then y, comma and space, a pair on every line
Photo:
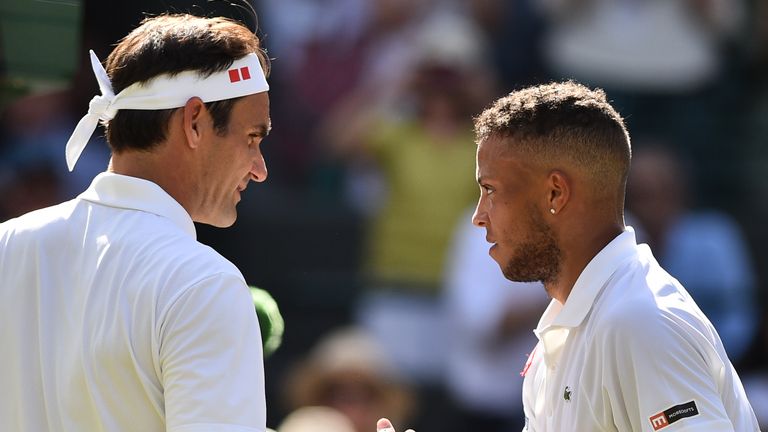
211, 360
655, 374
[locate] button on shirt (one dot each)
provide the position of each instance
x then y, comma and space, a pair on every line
114, 318
630, 351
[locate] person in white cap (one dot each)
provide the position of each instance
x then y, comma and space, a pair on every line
114, 317
622, 345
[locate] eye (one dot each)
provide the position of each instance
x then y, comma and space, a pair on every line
487, 189
254, 138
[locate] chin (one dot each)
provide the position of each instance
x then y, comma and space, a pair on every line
227, 222
497, 254
219, 221
499, 262
222, 224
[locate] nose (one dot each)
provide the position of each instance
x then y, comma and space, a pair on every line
259, 169
480, 218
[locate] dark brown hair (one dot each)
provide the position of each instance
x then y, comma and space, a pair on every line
563, 121
170, 44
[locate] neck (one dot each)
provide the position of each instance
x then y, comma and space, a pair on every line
157, 168
577, 253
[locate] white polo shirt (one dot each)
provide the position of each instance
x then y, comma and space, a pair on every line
114, 318
630, 351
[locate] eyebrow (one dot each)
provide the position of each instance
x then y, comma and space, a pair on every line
263, 129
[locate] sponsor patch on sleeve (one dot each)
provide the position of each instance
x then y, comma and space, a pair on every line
671, 415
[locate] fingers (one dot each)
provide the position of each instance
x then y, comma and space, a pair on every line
384, 425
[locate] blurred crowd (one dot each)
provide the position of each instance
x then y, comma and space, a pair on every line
362, 234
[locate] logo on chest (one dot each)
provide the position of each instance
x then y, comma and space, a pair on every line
567, 394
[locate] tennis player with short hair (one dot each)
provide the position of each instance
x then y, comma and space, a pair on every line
622, 345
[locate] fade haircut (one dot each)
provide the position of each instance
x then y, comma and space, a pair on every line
563, 122
170, 44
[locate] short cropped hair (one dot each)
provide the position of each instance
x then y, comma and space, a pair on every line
563, 122
170, 44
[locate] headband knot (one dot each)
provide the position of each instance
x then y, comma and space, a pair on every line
101, 106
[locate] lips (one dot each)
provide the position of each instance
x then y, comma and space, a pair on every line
244, 183
492, 242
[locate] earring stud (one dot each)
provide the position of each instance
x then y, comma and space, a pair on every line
552, 211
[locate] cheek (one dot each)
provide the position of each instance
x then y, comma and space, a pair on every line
500, 214
508, 222
239, 159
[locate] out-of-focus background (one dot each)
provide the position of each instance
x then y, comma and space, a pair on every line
362, 231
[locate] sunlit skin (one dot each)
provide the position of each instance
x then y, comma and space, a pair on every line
513, 208
204, 171
528, 241
228, 163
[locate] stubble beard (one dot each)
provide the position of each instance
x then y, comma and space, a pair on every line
538, 258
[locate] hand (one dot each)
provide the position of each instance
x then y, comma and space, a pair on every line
384, 425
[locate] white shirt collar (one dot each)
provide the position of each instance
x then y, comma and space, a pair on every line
120, 191
593, 278
559, 318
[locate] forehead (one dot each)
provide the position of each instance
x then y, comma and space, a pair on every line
501, 163
494, 155
253, 109
492, 147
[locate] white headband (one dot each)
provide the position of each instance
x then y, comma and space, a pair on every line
244, 77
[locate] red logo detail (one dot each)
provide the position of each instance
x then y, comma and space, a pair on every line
659, 421
236, 75
528, 363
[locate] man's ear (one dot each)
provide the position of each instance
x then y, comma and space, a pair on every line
558, 191
194, 116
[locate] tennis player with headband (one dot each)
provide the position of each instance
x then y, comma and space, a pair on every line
114, 317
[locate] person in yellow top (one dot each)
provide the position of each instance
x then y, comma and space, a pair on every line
424, 157
426, 194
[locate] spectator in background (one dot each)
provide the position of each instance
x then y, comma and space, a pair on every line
350, 373
492, 322
419, 144
651, 46
319, 46
664, 63
513, 30
293, 28
704, 250
357, 44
